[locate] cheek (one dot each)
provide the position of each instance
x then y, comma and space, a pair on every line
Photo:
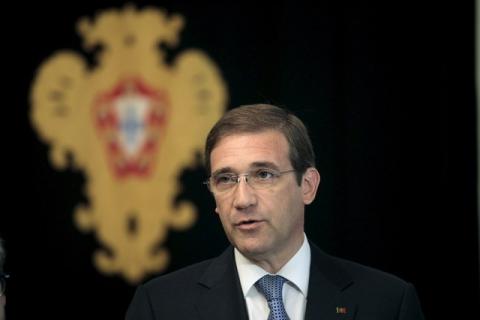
220, 206
221, 210
291, 206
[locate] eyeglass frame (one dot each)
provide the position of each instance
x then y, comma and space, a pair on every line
3, 283
237, 177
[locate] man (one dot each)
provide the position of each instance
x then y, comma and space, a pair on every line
262, 174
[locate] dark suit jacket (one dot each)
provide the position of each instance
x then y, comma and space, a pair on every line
338, 289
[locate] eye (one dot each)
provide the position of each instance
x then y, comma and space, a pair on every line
264, 174
225, 179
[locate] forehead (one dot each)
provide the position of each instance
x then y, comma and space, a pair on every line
242, 151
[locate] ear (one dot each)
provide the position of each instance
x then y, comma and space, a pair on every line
310, 182
216, 210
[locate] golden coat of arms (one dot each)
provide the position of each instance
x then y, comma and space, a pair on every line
131, 122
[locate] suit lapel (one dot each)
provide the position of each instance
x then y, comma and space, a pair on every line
221, 295
326, 290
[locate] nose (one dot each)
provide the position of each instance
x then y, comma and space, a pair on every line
244, 196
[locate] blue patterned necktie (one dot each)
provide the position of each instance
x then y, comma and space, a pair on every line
271, 287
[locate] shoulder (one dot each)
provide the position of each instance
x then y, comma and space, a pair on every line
358, 277
167, 296
377, 294
191, 278
363, 275
182, 278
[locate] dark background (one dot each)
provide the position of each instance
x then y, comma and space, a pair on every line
387, 91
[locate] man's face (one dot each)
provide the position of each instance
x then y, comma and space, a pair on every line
262, 223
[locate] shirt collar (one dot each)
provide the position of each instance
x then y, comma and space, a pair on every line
296, 270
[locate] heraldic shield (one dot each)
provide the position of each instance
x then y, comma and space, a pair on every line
131, 122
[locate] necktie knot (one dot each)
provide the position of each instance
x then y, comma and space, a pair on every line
271, 287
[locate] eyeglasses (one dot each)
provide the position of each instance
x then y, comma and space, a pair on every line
260, 178
3, 282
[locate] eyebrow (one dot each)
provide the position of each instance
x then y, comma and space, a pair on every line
264, 164
254, 165
222, 170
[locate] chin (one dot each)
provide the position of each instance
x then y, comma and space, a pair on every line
251, 250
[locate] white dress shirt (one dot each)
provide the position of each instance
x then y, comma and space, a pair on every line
295, 290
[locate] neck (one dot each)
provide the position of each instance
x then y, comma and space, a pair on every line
273, 262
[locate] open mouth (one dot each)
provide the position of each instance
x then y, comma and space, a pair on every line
248, 224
